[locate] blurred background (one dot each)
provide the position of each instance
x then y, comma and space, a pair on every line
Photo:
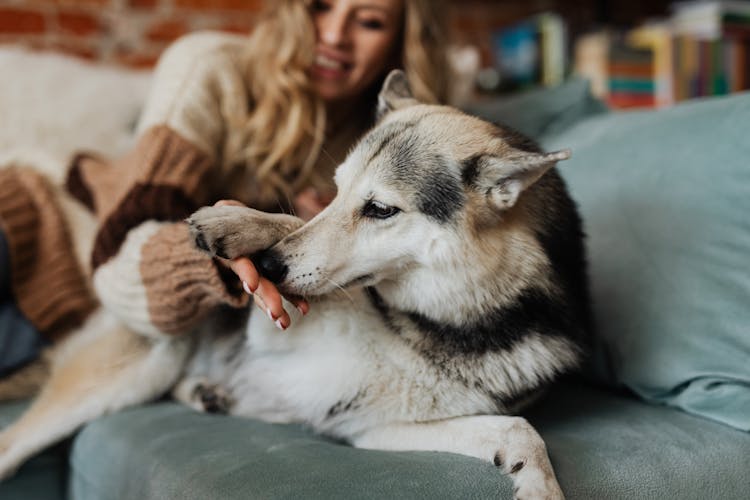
636, 53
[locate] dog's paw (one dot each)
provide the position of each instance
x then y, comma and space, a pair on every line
533, 482
515, 447
533, 477
211, 399
231, 231
213, 227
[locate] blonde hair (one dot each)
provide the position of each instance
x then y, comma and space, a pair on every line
424, 56
285, 131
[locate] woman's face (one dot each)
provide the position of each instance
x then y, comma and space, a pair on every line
356, 43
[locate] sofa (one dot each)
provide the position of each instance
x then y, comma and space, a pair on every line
661, 409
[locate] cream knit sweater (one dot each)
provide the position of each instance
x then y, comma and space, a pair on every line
145, 269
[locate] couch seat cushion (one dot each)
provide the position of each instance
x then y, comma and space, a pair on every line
167, 451
611, 446
602, 446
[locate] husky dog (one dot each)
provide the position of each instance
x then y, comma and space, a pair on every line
447, 282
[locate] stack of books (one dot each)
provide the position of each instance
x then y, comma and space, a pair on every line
626, 70
711, 48
631, 77
703, 50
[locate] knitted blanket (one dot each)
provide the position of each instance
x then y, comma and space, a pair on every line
54, 105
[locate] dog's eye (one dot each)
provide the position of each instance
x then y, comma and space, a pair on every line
377, 210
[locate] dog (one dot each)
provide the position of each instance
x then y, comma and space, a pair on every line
448, 288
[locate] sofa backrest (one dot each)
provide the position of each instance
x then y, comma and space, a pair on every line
665, 198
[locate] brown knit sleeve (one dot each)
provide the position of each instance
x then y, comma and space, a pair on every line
47, 281
160, 284
164, 178
183, 284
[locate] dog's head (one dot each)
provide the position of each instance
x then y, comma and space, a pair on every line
423, 190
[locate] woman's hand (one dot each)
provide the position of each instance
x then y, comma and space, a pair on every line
264, 292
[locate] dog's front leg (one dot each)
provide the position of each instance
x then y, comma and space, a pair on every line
101, 369
510, 442
231, 231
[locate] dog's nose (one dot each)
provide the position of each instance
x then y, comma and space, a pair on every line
270, 264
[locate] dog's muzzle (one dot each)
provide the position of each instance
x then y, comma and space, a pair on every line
270, 264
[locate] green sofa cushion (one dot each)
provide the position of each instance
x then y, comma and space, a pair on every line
167, 451
665, 198
601, 445
607, 446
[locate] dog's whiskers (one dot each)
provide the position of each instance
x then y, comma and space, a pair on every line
325, 152
290, 204
340, 288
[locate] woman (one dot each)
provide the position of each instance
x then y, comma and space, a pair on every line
262, 121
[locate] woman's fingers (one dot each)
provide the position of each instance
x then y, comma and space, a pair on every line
271, 308
265, 293
245, 269
222, 203
301, 304
268, 298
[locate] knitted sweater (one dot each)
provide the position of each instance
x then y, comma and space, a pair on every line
46, 280
145, 268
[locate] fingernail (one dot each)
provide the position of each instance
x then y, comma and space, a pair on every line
270, 316
301, 311
279, 325
246, 287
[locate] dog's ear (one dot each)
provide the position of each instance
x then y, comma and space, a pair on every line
503, 178
395, 93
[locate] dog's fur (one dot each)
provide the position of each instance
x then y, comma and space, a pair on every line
447, 282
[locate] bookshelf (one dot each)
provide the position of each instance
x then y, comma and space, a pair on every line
701, 49
637, 54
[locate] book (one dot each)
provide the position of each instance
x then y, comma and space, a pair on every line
532, 52
711, 20
631, 73
591, 61
553, 56
516, 50
657, 37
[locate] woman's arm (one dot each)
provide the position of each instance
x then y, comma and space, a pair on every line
146, 269
160, 284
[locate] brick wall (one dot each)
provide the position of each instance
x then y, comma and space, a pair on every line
128, 32
134, 32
